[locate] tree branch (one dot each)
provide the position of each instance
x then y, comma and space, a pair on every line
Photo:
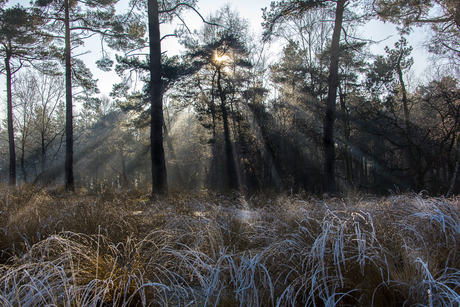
371, 41
183, 22
194, 9
167, 35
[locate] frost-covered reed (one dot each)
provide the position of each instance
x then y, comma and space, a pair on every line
198, 249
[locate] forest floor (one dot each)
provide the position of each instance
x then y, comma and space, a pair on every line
204, 249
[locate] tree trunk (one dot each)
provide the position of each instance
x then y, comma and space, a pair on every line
213, 174
231, 170
159, 178
69, 180
403, 92
346, 132
23, 170
124, 173
22, 158
411, 157
43, 154
9, 99
454, 176
172, 152
329, 154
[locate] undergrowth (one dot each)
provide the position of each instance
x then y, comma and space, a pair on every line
203, 249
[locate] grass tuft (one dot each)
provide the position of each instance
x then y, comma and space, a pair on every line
205, 249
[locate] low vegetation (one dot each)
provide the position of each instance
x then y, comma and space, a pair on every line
203, 249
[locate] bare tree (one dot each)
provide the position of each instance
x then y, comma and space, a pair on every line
39, 103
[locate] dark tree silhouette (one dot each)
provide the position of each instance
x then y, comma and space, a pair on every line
284, 10
159, 176
21, 41
79, 20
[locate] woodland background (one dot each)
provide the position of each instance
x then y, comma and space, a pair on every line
235, 118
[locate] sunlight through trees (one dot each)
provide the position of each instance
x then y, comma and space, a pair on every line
325, 116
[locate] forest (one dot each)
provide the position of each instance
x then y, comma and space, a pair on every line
325, 116
228, 174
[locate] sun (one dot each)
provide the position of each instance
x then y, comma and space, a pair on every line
220, 58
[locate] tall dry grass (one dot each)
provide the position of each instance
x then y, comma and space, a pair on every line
204, 249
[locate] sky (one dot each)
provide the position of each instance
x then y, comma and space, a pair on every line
248, 9
252, 11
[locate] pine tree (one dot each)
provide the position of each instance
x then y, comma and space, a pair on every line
158, 12
72, 21
21, 43
283, 11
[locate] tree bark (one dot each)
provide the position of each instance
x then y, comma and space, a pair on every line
176, 170
230, 161
124, 172
69, 179
328, 138
403, 92
454, 176
9, 98
159, 177
346, 131
43, 154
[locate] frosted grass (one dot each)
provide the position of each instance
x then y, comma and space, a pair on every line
210, 250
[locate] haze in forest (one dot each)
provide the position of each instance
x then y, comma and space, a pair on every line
320, 96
